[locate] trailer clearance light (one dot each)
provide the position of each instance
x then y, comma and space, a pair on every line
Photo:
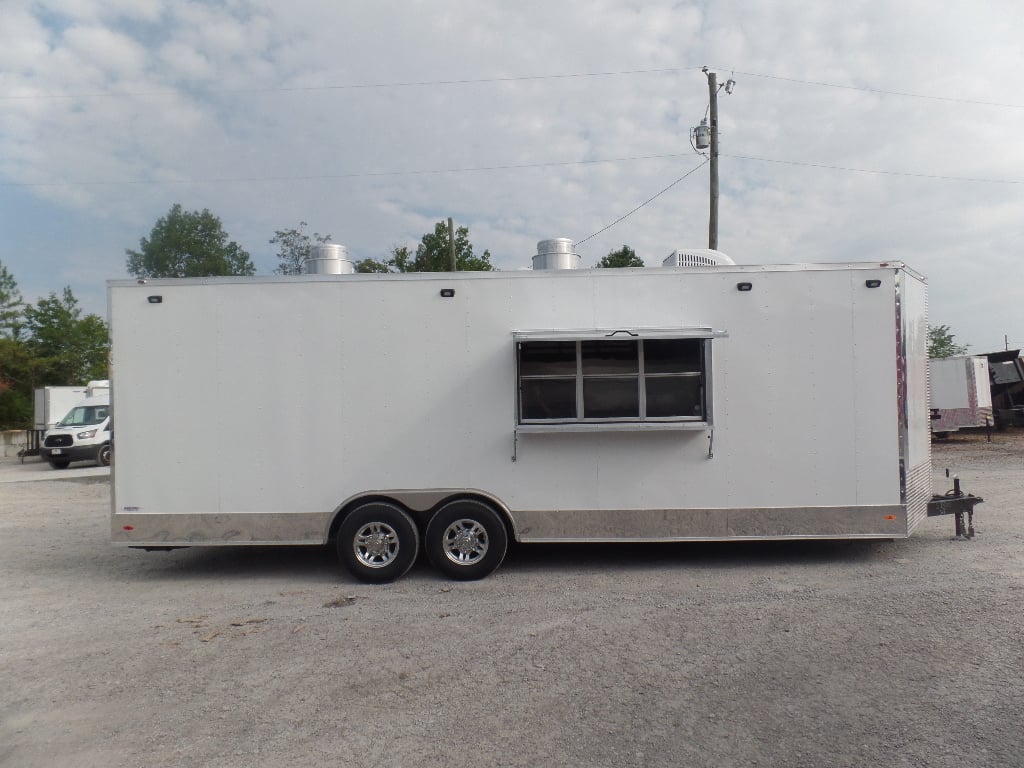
744, 287
128, 527
872, 283
155, 299
447, 293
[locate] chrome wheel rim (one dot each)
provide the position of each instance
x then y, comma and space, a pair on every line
465, 542
375, 545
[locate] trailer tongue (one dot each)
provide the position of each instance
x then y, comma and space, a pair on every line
957, 503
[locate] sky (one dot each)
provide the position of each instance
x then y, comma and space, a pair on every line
856, 131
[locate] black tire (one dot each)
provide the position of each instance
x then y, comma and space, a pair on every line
60, 463
104, 454
378, 542
466, 540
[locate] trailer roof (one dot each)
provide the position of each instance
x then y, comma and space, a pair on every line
526, 274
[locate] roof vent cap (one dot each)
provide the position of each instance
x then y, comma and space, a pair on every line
557, 253
328, 259
696, 257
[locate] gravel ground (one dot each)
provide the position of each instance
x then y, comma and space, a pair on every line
907, 653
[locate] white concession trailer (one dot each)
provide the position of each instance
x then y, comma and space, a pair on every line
452, 412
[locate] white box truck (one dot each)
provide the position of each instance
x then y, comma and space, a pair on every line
84, 433
961, 393
52, 403
458, 411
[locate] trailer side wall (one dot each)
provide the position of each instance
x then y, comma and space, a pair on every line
288, 397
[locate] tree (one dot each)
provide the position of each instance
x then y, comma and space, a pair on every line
188, 244
66, 348
432, 255
15, 385
371, 265
941, 344
15, 379
11, 305
50, 343
404, 260
624, 257
293, 248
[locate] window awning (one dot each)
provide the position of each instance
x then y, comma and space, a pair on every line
587, 334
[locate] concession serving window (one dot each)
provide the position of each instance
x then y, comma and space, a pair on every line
636, 378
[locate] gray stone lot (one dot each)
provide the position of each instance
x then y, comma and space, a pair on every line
905, 653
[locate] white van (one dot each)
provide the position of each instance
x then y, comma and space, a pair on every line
84, 433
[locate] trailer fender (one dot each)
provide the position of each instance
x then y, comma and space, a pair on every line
421, 505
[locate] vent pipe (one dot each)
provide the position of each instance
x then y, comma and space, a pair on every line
328, 259
558, 253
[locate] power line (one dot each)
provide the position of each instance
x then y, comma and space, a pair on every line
330, 176
509, 79
357, 86
509, 167
905, 94
645, 202
933, 176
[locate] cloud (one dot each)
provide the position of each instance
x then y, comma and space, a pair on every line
271, 113
115, 55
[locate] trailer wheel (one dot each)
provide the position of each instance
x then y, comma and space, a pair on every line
466, 540
60, 463
103, 455
378, 542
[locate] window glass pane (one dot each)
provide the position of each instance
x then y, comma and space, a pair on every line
548, 399
673, 379
672, 355
610, 357
611, 398
84, 416
547, 358
674, 396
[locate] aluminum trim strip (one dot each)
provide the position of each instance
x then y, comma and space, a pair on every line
675, 539
753, 523
717, 524
193, 529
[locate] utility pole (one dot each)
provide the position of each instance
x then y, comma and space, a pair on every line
706, 137
713, 114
